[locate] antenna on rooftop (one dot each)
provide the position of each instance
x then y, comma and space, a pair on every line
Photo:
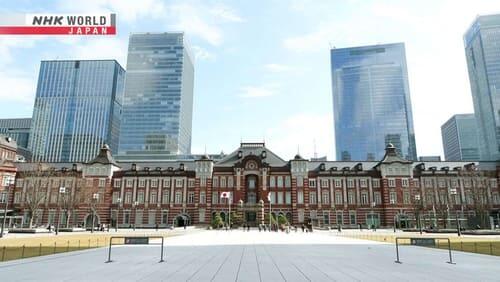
315, 153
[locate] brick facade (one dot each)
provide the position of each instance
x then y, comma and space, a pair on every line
380, 193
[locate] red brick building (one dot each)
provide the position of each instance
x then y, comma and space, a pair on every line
390, 191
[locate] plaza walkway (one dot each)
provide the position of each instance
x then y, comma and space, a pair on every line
256, 256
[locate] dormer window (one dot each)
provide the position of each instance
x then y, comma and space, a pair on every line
240, 154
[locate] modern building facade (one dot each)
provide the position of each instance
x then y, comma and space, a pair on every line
371, 102
325, 193
18, 129
77, 110
158, 101
429, 158
483, 57
460, 138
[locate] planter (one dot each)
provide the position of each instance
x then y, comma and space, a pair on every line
29, 230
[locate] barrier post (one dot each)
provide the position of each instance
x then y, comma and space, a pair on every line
449, 251
22, 254
161, 258
109, 252
397, 251
3, 253
40, 250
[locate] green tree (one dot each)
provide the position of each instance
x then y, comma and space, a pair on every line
273, 219
236, 219
282, 220
217, 221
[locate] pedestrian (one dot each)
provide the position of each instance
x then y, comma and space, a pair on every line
303, 227
248, 227
156, 226
260, 228
184, 226
265, 228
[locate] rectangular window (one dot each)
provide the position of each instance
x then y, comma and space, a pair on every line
393, 198
117, 183
364, 198
339, 217
441, 183
288, 182
178, 183
142, 182
272, 197
404, 182
493, 183
191, 197
166, 196
352, 217
3, 197
300, 197
178, 197
115, 197
201, 215
312, 183
288, 198
362, 183
391, 182
154, 183
153, 197
203, 181
126, 217
324, 183
351, 198
222, 182
428, 183
166, 183
191, 183
406, 198
280, 197
350, 183
140, 197
152, 217
312, 198
17, 197
215, 197
325, 197
326, 217
230, 182
128, 197
272, 181
164, 217
215, 182
280, 181
338, 198
300, 181
377, 197
376, 183
338, 183
102, 183
203, 197
129, 183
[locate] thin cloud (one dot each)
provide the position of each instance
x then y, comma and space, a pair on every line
257, 91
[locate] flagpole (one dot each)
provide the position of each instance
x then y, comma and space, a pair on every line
229, 202
270, 223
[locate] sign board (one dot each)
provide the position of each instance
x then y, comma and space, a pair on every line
136, 240
429, 242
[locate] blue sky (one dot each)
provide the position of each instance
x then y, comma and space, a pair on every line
262, 67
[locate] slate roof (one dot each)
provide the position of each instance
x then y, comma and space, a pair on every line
104, 157
248, 149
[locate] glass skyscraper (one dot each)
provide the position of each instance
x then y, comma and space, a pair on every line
18, 129
158, 100
482, 49
460, 141
371, 102
77, 110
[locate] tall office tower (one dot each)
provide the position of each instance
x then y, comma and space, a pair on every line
371, 102
460, 139
77, 110
158, 100
16, 128
482, 41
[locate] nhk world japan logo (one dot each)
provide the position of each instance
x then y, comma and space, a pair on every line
58, 24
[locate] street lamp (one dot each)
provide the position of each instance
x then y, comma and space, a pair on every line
62, 191
95, 198
9, 182
419, 223
119, 201
373, 204
453, 192
135, 204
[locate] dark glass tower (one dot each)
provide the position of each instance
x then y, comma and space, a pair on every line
371, 102
77, 110
482, 49
158, 100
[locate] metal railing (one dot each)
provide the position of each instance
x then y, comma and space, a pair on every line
135, 240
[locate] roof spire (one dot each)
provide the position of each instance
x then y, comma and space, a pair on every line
315, 153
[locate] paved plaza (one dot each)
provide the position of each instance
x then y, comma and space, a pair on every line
256, 256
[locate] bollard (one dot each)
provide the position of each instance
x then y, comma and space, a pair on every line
89, 243
97, 244
55, 244
462, 246
491, 249
3, 253
40, 250
22, 254
78, 244
67, 248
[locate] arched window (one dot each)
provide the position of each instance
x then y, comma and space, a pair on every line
251, 182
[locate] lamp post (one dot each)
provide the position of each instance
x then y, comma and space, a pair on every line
372, 215
135, 204
62, 191
95, 198
119, 201
453, 192
419, 223
9, 182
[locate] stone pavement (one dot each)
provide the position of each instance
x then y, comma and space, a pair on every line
256, 256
